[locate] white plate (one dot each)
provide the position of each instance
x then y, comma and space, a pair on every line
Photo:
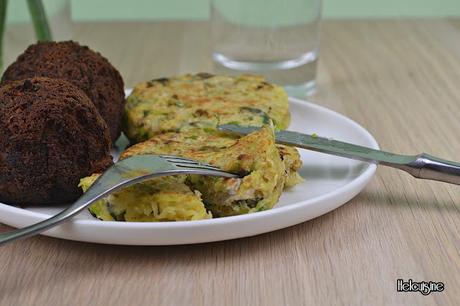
329, 183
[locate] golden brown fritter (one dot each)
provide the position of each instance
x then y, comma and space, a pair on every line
203, 100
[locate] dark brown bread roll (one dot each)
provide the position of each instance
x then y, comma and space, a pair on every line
84, 68
51, 135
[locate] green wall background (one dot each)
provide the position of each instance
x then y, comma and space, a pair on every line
199, 9
103, 10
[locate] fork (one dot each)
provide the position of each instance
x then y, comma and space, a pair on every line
122, 174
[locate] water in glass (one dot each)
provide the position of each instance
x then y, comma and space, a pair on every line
278, 39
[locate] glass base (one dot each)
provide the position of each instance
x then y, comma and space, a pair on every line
302, 90
297, 75
264, 65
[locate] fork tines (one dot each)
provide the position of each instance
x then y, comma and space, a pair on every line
188, 163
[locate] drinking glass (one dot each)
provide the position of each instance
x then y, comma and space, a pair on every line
276, 38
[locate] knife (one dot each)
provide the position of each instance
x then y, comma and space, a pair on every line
422, 166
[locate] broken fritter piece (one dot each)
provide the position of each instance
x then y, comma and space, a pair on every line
264, 171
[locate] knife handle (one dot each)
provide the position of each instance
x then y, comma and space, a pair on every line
429, 167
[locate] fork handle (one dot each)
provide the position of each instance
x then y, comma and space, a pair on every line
37, 228
430, 167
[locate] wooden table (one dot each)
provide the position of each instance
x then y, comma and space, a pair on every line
398, 78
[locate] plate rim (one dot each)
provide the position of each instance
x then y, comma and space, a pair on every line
363, 178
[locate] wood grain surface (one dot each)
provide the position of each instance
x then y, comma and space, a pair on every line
398, 78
